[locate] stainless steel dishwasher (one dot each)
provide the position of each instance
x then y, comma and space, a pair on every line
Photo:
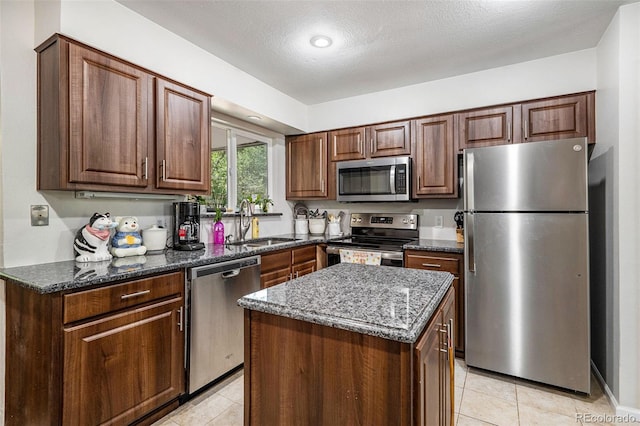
216, 326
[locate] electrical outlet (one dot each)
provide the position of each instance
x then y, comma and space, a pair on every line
39, 215
439, 221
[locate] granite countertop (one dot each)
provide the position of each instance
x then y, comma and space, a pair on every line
69, 275
436, 245
384, 301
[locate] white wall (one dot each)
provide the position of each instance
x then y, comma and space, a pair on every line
556, 75
614, 168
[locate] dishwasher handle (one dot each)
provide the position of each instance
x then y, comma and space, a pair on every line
231, 274
227, 269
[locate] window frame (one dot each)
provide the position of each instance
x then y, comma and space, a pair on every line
232, 134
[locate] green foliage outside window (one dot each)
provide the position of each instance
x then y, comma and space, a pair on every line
252, 166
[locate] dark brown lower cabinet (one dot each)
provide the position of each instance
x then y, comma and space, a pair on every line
298, 373
283, 265
434, 373
447, 262
110, 355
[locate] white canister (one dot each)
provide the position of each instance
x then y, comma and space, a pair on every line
154, 238
301, 226
334, 228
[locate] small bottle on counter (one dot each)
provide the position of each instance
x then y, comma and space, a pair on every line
255, 227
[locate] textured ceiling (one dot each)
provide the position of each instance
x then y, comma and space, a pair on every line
378, 45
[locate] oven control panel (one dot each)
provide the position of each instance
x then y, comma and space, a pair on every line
389, 220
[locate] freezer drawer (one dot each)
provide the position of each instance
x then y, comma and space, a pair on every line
527, 290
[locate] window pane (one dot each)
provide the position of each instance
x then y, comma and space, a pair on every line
219, 178
252, 168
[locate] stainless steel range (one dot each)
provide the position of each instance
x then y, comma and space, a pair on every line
385, 233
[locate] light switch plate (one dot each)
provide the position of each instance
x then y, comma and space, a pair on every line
39, 215
438, 221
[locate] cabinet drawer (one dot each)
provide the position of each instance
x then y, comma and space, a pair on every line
90, 303
433, 263
272, 278
274, 261
305, 268
303, 254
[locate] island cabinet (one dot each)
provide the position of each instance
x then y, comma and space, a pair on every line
109, 355
284, 265
308, 174
435, 161
105, 124
448, 262
319, 357
434, 375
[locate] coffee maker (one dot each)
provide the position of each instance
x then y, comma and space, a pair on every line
186, 228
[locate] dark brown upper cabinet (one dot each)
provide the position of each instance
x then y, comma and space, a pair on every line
348, 144
105, 124
487, 127
435, 166
307, 167
379, 140
559, 118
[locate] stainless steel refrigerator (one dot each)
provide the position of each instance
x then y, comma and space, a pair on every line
526, 261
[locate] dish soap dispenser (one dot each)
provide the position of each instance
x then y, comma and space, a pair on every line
255, 230
218, 228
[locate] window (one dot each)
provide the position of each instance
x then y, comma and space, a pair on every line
239, 166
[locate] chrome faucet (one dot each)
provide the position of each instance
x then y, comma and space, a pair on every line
245, 215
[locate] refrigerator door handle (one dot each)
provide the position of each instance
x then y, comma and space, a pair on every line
470, 239
468, 182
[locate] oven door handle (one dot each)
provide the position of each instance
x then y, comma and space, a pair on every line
391, 255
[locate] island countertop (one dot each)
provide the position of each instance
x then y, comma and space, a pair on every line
384, 301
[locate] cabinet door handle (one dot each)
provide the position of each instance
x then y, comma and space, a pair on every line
418, 182
297, 273
526, 129
180, 317
371, 146
145, 168
164, 168
508, 131
137, 294
432, 265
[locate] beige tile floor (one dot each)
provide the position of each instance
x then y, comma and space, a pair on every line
481, 398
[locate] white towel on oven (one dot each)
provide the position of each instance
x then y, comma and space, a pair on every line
362, 257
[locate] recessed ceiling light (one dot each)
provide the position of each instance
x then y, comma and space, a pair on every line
321, 41
254, 117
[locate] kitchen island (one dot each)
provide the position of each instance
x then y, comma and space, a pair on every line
350, 344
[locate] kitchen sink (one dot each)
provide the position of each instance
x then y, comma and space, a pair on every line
263, 242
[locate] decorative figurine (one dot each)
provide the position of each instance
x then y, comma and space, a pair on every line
127, 240
91, 242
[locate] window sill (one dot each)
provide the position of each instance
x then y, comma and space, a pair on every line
211, 215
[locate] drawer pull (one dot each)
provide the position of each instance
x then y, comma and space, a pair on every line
432, 265
130, 295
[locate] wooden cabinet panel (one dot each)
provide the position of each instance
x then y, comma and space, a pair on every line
97, 117
487, 127
433, 375
303, 254
307, 165
559, 118
108, 137
347, 144
90, 303
112, 369
275, 260
182, 138
284, 265
279, 276
390, 139
428, 365
121, 367
446, 262
300, 269
435, 165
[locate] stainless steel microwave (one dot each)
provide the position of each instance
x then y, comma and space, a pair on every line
378, 179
